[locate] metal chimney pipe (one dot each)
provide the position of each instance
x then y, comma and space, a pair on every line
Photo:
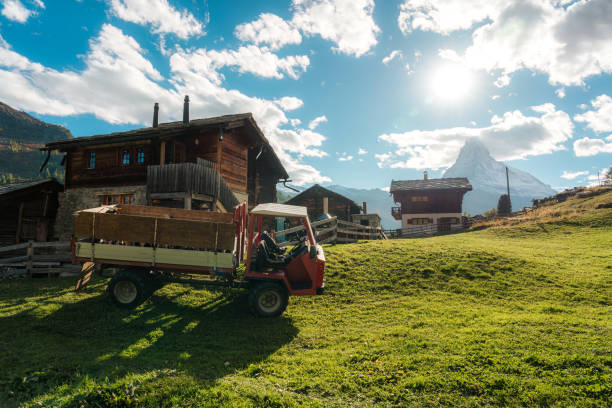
425, 177
186, 110
365, 207
156, 115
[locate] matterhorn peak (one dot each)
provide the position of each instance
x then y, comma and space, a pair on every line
474, 150
488, 179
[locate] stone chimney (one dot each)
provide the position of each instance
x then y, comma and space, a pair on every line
425, 177
156, 115
365, 207
186, 110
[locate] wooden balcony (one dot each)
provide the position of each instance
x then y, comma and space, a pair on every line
190, 180
396, 212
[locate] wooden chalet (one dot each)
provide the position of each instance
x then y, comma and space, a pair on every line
429, 201
208, 164
27, 210
320, 200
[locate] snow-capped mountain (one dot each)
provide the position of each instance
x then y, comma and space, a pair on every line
488, 179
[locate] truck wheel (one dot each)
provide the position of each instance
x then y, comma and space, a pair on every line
268, 299
127, 290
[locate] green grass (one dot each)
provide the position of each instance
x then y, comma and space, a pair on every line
505, 316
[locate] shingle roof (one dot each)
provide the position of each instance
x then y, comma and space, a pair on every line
317, 189
459, 183
22, 185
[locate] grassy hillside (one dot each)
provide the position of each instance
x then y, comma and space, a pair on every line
21, 135
509, 315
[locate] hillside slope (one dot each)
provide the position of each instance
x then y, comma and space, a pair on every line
21, 135
503, 316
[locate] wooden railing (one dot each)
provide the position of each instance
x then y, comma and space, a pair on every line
331, 230
425, 230
23, 258
190, 178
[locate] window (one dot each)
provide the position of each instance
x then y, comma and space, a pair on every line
140, 155
419, 221
415, 199
92, 160
125, 157
110, 199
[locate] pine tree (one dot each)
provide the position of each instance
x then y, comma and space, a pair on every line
504, 206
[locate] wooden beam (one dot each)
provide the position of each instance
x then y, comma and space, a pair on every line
162, 153
19, 220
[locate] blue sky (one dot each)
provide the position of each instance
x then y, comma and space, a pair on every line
397, 86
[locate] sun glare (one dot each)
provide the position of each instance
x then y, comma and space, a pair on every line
451, 83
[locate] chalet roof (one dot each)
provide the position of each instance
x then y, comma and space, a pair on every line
171, 129
319, 191
459, 183
7, 189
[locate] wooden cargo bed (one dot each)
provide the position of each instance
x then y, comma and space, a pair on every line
159, 237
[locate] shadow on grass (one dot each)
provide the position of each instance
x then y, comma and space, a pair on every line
204, 334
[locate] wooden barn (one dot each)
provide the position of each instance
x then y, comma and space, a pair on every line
27, 210
208, 164
320, 200
429, 201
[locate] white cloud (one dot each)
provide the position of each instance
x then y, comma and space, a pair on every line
590, 147
510, 137
560, 93
568, 175
347, 23
345, 158
502, 81
295, 122
444, 16
386, 189
119, 85
599, 119
316, 122
583, 106
450, 55
362, 151
494, 97
289, 103
390, 57
251, 59
15, 10
568, 43
162, 17
269, 29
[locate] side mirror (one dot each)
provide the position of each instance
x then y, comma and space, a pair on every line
313, 251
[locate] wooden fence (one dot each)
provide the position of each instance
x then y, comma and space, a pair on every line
426, 230
35, 258
330, 231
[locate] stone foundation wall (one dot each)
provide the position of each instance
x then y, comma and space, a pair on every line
76, 199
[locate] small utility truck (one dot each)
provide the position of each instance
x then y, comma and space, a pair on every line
141, 248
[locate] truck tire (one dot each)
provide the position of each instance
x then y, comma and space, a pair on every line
268, 299
128, 289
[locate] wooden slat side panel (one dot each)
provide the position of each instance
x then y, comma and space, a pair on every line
161, 212
193, 258
205, 235
115, 227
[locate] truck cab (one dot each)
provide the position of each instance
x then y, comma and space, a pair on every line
299, 271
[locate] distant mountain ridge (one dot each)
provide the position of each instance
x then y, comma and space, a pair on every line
21, 136
488, 179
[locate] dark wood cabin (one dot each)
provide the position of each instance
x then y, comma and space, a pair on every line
27, 210
232, 144
429, 201
320, 200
